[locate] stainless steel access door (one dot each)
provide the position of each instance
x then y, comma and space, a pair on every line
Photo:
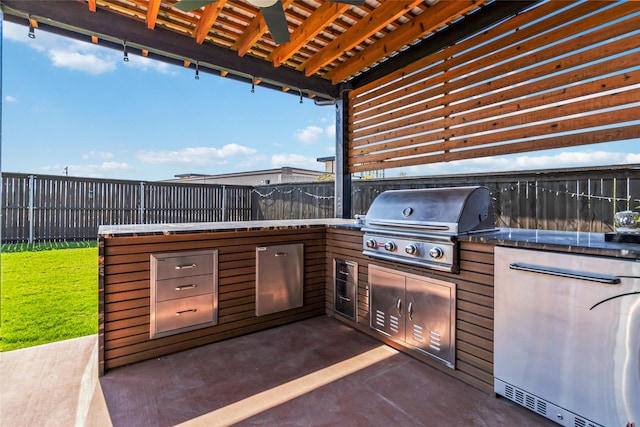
430, 323
415, 310
387, 289
279, 278
567, 334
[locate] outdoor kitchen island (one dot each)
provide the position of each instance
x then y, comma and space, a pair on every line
125, 280
205, 278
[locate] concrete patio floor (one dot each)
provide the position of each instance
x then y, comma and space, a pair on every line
310, 373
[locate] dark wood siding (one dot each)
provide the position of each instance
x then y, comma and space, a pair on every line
125, 291
474, 302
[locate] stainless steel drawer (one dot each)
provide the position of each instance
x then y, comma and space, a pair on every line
171, 265
184, 292
345, 270
184, 313
183, 287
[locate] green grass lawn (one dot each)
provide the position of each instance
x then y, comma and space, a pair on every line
48, 295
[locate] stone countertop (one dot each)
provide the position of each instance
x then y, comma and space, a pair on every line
560, 241
108, 231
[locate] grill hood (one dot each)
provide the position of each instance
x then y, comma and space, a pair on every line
453, 210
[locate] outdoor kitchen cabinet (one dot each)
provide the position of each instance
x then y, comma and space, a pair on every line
414, 310
183, 292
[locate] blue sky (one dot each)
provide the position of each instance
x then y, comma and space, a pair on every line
77, 105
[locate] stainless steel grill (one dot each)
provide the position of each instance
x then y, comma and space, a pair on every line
420, 226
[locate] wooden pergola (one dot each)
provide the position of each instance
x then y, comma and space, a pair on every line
414, 82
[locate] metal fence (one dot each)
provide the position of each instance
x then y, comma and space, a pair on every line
576, 199
47, 208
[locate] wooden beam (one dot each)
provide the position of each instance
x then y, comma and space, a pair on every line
94, 39
74, 22
428, 21
152, 13
311, 27
254, 31
92, 5
380, 17
207, 18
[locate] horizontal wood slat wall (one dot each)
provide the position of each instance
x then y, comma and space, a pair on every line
474, 302
124, 291
559, 74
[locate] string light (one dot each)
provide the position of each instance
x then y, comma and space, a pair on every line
299, 190
125, 54
32, 31
300, 90
572, 194
253, 85
197, 77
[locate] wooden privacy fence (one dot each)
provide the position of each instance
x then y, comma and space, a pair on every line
577, 199
39, 208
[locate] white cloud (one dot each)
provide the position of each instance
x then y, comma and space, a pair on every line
10, 98
198, 156
525, 162
309, 135
81, 61
97, 155
296, 161
103, 170
80, 56
146, 64
330, 131
251, 162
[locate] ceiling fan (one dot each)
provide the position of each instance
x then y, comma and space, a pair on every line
271, 10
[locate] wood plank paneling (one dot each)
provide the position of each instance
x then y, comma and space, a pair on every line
560, 74
474, 313
125, 292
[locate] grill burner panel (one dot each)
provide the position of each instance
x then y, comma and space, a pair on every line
438, 254
420, 226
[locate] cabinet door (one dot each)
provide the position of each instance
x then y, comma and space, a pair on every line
279, 278
430, 317
387, 305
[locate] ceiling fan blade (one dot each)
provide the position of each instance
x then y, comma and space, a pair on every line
189, 5
277, 22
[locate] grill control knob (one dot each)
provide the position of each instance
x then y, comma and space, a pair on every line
436, 252
371, 244
390, 246
411, 249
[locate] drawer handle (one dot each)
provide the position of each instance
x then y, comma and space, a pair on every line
185, 266
183, 287
281, 254
180, 313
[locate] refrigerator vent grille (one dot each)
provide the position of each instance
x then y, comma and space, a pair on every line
540, 406
526, 400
